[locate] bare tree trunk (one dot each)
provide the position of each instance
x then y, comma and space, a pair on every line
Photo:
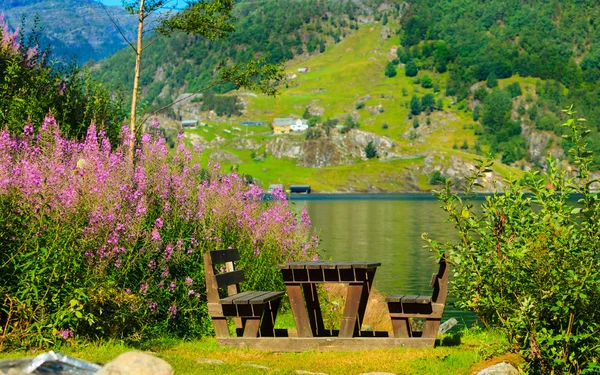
136, 79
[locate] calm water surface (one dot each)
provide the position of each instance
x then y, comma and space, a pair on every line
386, 229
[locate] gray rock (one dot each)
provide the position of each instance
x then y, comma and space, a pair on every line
258, 366
136, 363
502, 368
304, 372
210, 361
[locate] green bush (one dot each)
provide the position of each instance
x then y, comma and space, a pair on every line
528, 261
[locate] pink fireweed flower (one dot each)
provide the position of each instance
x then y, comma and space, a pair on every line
155, 123
168, 252
155, 235
171, 286
191, 292
188, 281
143, 289
65, 333
158, 223
152, 306
172, 311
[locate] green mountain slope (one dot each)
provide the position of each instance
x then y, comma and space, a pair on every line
347, 76
279, 30
78, 28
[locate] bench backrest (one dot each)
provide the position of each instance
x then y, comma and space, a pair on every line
215, 279
439, 282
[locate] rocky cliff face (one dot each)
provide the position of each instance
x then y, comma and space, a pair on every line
330, 150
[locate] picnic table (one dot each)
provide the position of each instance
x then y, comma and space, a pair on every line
301, 279
255, 312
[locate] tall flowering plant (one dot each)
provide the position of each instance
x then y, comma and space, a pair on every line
94, 245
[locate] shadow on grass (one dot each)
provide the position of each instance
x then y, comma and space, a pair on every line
452, 339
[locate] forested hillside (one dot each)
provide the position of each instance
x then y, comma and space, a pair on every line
279, 30
72, 28
557, 41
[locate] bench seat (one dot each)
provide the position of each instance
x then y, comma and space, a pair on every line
404, 307
254, 312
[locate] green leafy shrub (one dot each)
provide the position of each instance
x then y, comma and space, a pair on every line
528, 262
95, 245
31, 85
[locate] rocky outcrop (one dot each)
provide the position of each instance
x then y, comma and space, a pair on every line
225, 156
285, 147
340, 149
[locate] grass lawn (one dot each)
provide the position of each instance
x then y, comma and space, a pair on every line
461, 353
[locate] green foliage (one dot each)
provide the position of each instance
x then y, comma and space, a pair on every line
411, 69
491, 81
428, 103
390, 70
222, 105
360, 105
514, 89
480, 93
415, 105
313, 133
529, 263
476, 112
30, 86
370, 150
436, 178
426, 81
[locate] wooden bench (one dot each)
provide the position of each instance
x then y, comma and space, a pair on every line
403, 307
254, 312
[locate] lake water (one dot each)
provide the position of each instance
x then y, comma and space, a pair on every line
384, 228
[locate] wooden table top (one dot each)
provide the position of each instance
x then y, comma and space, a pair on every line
312, 265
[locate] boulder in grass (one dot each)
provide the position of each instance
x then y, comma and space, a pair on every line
502, 368
136, 363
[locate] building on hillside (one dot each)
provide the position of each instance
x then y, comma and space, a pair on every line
299, 125
300, 189
303, 70
282, 125
189, 123
253, 123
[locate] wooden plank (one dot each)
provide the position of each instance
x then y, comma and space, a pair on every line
299, 344
366, 264
229, 278
364, 298
314, 265
270, 296
409, 299
230, 299
350, 314
299, 310
394, 298
251, 327
433, 280
221, 329
401, 327
313, 309
267, 325
245, 300
423, 300
222, 256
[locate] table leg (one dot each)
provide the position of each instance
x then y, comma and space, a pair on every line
364, 298
294, 291
356, 304
314, 309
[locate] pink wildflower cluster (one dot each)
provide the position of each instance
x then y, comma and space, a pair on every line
142, 225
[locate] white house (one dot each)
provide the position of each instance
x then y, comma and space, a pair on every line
299, 125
